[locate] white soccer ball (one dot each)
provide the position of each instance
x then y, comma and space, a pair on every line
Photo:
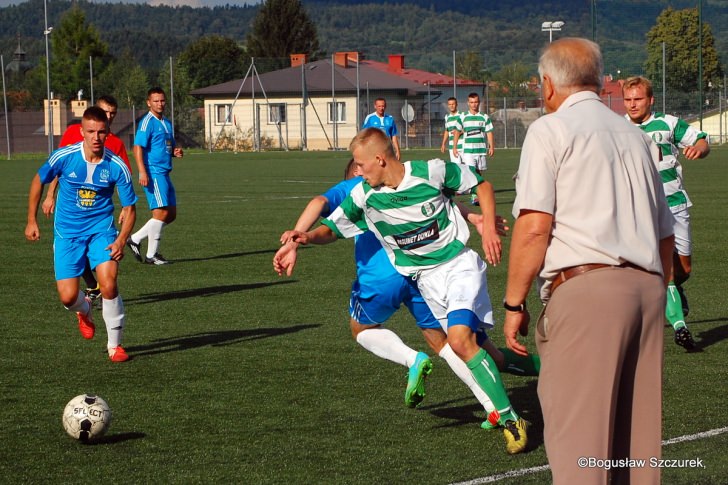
86, 417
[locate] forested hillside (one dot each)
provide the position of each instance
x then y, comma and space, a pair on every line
426, 31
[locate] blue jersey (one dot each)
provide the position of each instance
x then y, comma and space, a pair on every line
372, 263
84, 205
157, 142
386, 124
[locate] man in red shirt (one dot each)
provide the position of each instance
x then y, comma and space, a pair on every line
73, 135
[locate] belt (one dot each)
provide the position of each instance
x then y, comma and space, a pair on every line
568, 273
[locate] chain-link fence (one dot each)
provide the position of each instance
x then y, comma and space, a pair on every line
324, 113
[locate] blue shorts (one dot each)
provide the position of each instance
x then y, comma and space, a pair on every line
386, 298
160, 191
70, 254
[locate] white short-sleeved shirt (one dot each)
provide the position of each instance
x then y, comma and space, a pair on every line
598, 177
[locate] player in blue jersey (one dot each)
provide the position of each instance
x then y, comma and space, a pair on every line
88, 174
154, 147
378, 292
379, 119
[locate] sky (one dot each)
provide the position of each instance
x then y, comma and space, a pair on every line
191, 3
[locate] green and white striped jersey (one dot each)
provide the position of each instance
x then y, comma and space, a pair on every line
475, 126
453, 123
417, 224
670, 133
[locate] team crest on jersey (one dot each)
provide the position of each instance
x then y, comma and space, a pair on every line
422, 236
104, 176
428, 209
657, 137
85, 197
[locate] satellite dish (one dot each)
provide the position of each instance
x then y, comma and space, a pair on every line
408, 112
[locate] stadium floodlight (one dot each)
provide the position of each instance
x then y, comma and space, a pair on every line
550, 27
46, 33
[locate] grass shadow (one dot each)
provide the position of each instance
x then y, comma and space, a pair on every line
231, 255
213, 339
203, 292
712, 336
111, 439
524, 399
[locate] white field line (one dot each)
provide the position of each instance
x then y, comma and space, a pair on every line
538, 469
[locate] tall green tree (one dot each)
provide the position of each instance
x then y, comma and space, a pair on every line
126, 80
73, 43
512, 80
212, 59
282, 28
678, 29
469, 65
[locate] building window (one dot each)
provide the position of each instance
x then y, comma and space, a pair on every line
222, 111
337, 112
276, 113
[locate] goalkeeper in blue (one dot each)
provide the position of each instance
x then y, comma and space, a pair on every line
425, 237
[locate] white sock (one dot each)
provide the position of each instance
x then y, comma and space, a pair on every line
113, 312
142, 233
81, 305
387, 345
155, 234
461, 370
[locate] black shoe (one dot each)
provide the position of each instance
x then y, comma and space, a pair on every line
135, 250
157, 259
684, 338
683, 300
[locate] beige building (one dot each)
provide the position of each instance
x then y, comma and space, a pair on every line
313, 106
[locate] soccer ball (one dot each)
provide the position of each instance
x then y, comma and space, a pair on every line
86, 417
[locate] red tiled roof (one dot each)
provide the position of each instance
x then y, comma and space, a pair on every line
419, 76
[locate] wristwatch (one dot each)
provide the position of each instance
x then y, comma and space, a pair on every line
517, 308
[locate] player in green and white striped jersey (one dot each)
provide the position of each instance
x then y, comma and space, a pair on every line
478, 139
670, 134
453, 124
425, 237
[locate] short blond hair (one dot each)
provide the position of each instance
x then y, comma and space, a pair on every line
636, 81
373, 137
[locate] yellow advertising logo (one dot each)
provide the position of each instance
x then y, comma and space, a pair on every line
86, 197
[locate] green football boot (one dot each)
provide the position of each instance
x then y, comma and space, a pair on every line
415, 392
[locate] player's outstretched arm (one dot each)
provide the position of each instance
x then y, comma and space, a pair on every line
501, 223
320, 235
285, 258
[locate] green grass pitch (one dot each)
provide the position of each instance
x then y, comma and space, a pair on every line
239, 376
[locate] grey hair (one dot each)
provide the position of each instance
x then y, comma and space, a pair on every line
572, 62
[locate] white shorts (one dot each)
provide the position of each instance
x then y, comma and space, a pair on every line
683, 237
455, 159
459, 284
474, 160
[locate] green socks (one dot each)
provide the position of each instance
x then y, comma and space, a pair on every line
673, 310
488, 378
519, 365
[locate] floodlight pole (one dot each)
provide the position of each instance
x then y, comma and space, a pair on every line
5, 105
91, 76
550, 27
171, 93
46, 33
700, 61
